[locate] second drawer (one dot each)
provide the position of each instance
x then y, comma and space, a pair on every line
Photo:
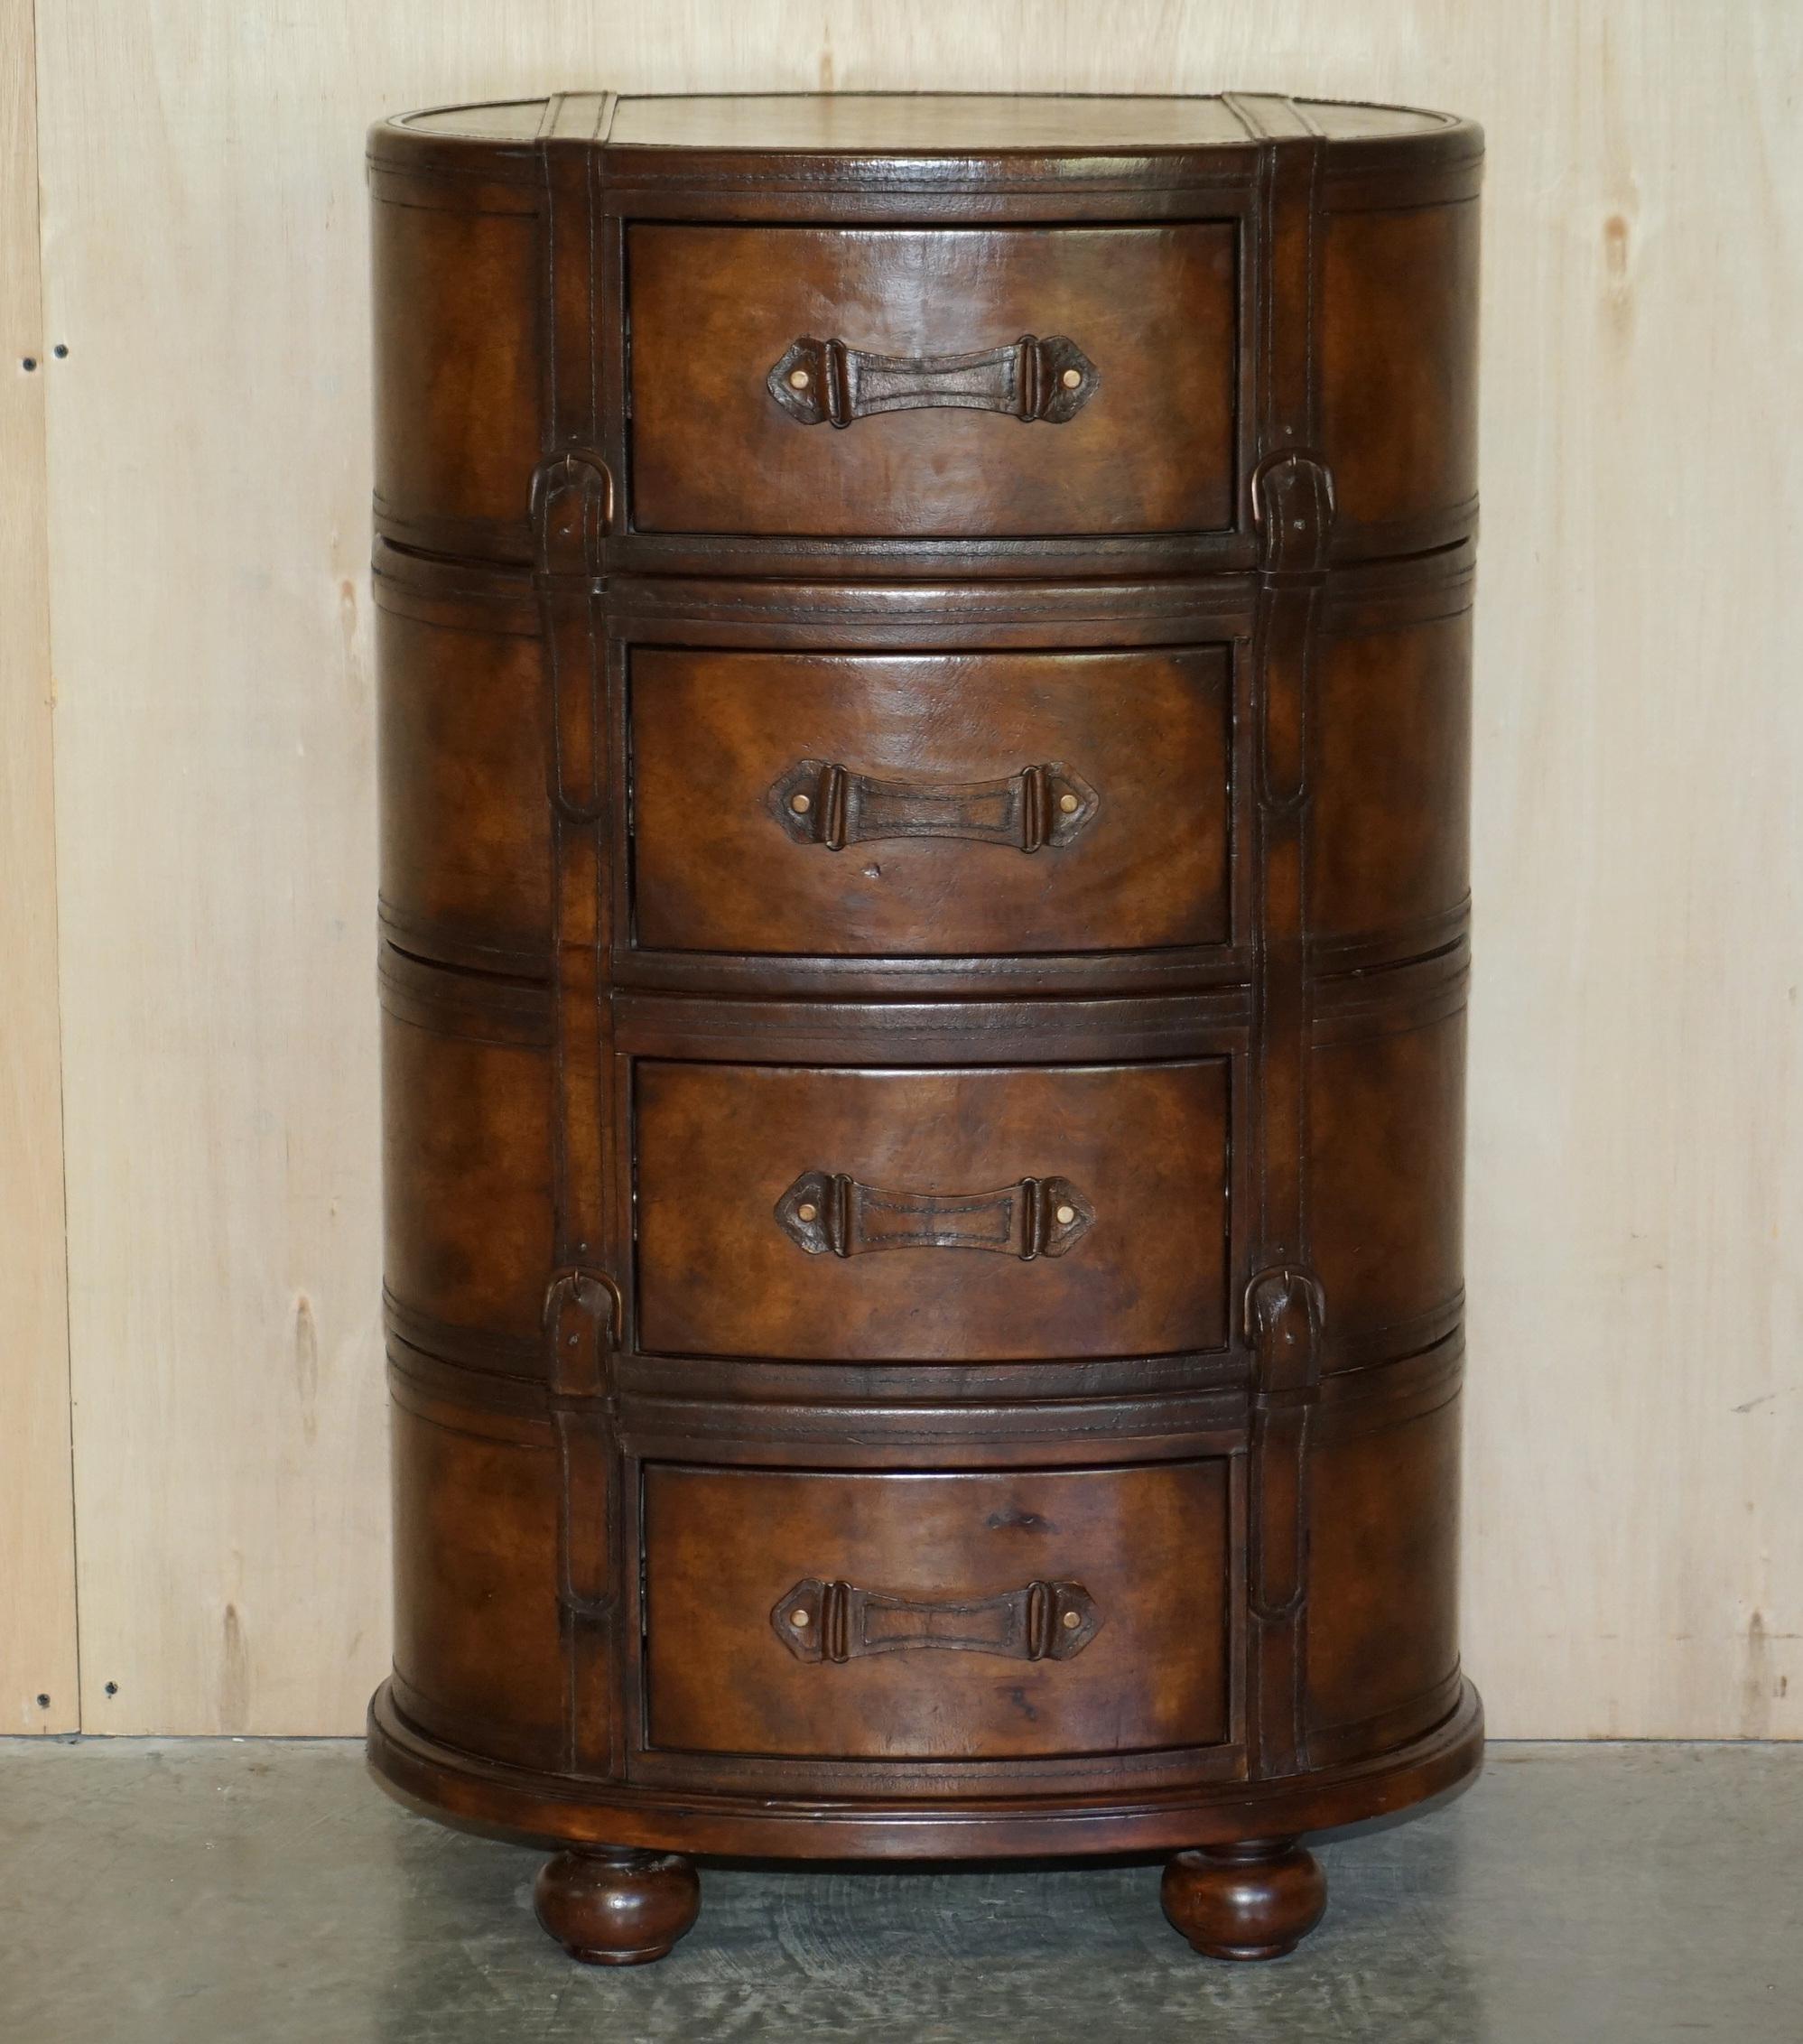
944, 1216
942, 805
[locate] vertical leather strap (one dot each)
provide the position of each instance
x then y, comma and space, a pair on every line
1291, 505
572, 509
570, 134
582, 1321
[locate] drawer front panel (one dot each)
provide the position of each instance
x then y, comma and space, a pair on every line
931, 1216
895, 805
945, 1603
723, 318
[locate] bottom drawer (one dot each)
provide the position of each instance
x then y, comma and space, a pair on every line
990, 1614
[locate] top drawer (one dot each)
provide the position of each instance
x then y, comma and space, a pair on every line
932, 383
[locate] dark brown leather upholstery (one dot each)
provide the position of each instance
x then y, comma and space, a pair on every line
926, 734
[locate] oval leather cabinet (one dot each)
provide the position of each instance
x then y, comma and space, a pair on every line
924, 741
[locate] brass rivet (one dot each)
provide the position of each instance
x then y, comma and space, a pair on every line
1067, 803
799, 379
800, 803
1071, 379
1072, 1620
798, 1618
807, 1211
1066, 1214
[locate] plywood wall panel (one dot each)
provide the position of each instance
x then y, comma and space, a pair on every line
37, 1525
1637, 1158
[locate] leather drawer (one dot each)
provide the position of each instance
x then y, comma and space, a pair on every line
956, 805
720, 436
943, 1216
973, 1616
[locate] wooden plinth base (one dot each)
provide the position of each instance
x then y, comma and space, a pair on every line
456, 1785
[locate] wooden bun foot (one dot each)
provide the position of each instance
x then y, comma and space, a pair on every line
1255, 1900
617, 1909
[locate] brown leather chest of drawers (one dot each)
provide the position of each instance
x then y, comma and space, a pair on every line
925, 738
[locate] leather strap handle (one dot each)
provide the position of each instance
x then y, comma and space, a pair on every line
1038, 1217
825, 383
817, 802
838, 1622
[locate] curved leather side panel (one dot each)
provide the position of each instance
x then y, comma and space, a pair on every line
478, 1653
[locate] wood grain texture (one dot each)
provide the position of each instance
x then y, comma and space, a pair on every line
1636, 1159
37, 1526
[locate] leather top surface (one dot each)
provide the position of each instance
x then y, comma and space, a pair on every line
928, 123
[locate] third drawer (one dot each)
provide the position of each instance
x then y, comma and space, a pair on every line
942, 1216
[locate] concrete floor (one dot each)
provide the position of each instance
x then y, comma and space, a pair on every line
266, 1891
